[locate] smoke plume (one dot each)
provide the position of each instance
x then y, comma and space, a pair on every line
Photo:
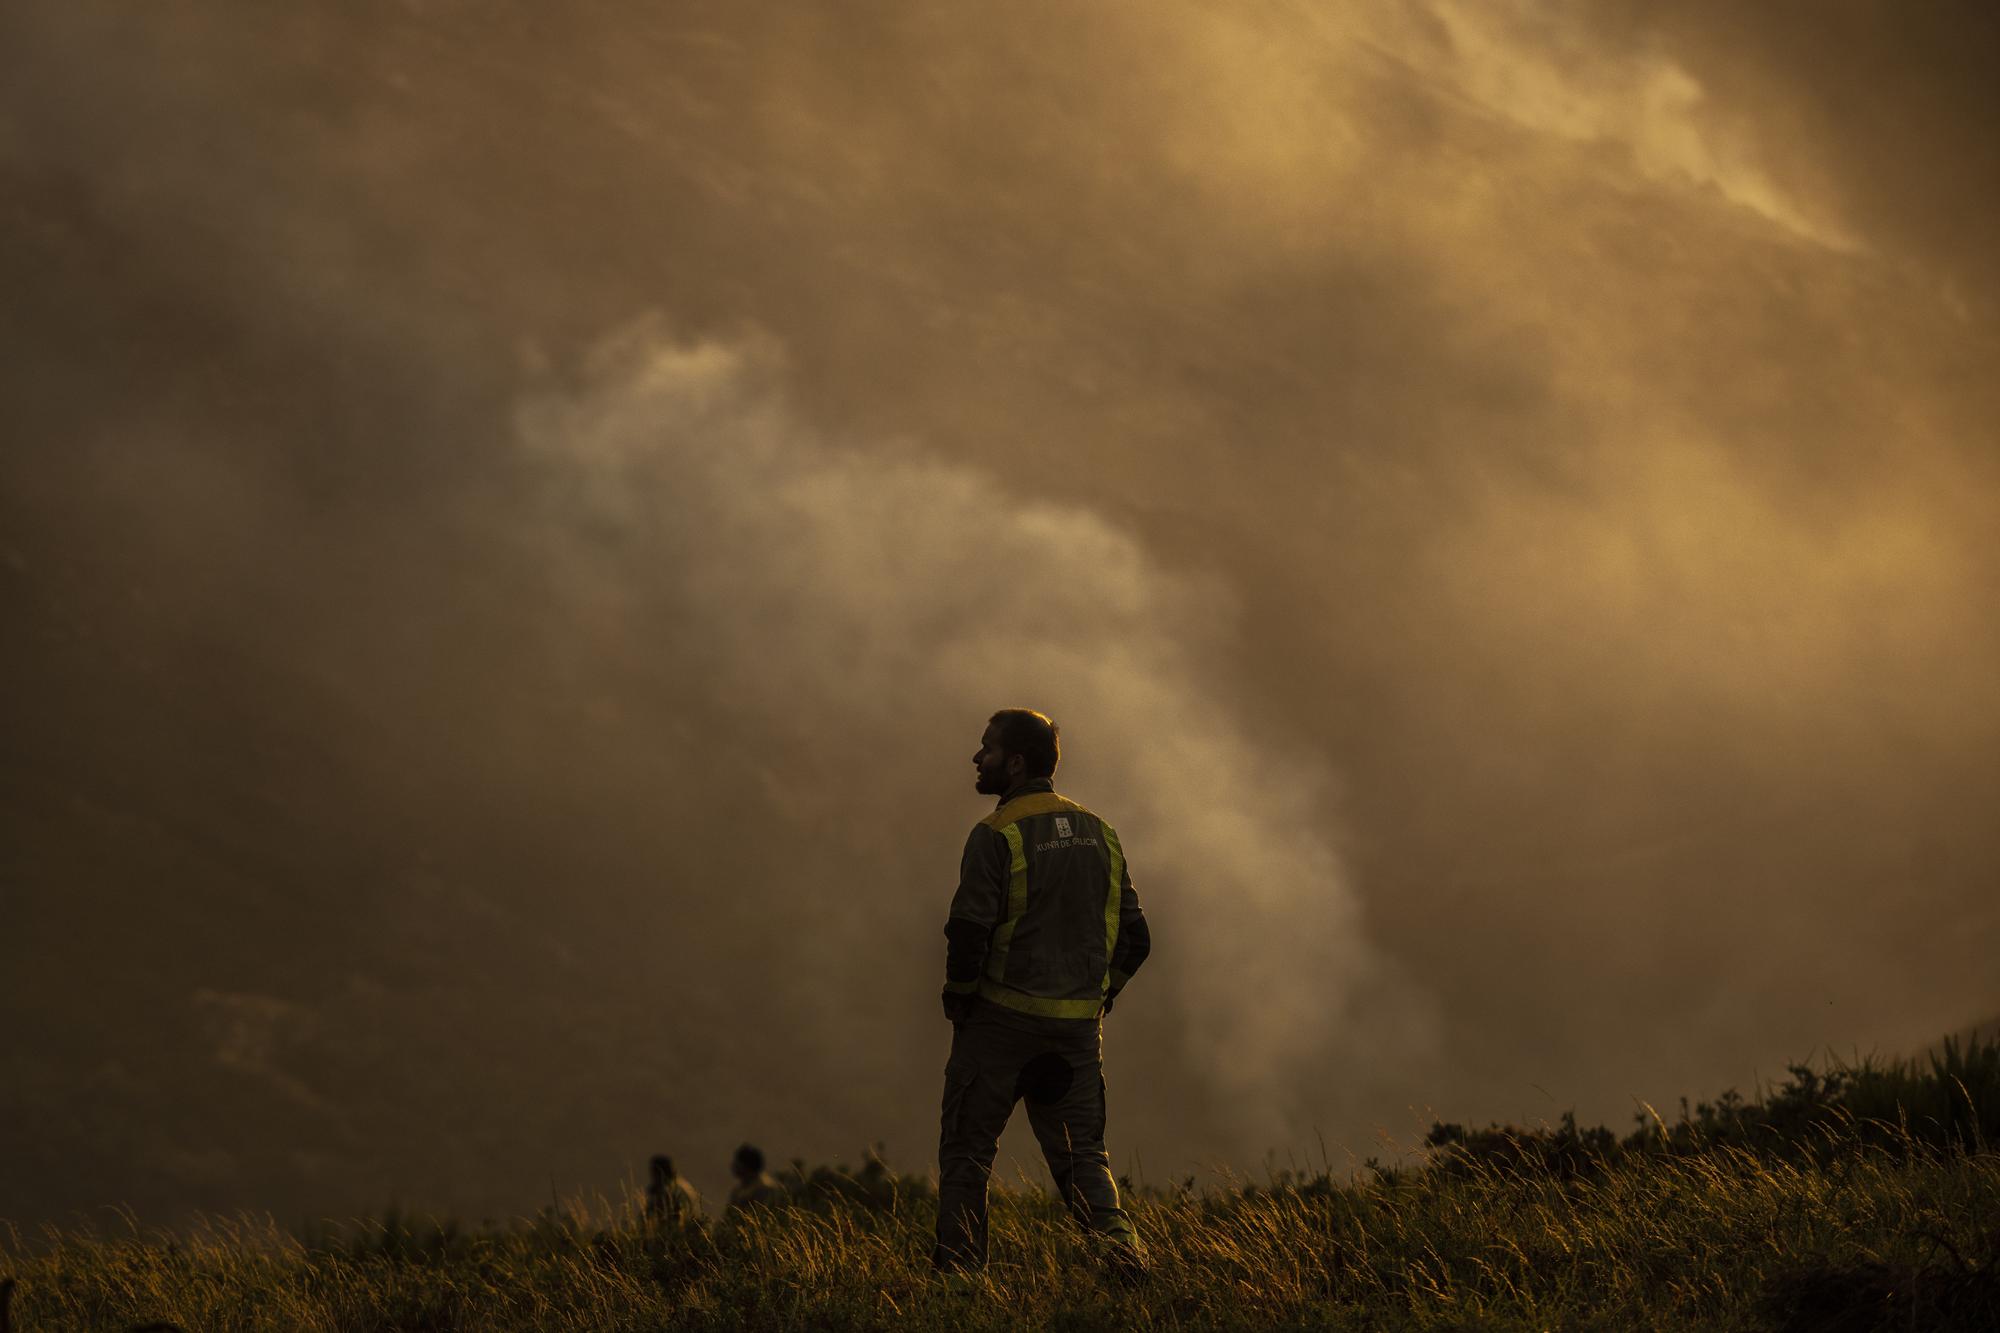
859, 603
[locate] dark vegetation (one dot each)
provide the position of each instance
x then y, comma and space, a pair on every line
1855, 1197
1948, 1099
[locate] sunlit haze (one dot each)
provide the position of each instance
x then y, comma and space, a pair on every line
514, 517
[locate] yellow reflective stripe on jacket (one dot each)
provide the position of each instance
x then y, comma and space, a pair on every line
1017, 901
1035, 1004
1026, 807
1113, 900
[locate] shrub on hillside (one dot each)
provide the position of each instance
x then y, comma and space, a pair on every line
1947, 1099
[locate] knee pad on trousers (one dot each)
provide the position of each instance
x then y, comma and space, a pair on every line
1044, 1080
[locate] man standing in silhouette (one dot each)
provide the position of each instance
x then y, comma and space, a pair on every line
670, 1197
754, 1187
1043, 932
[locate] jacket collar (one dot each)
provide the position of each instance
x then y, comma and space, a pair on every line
1026, 787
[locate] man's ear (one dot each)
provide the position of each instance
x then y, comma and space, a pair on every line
1017, 765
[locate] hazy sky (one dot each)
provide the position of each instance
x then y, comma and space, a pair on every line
514, 517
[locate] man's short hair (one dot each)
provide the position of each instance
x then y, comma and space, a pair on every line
749, 1158
1031, 735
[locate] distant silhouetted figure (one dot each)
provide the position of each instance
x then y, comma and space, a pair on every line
1043, 932
670, 1198
754, 1185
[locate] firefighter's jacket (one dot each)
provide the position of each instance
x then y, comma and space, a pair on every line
1045, 921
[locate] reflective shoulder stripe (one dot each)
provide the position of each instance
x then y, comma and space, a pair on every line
1017, 901
1025, 807
1035, 1004
1115, 854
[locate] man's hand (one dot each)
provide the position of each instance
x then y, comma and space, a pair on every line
1108, 999
958, 1006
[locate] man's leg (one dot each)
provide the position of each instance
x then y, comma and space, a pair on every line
1065, 1096
978, 1098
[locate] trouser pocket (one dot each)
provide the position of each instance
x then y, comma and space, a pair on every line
958, 1080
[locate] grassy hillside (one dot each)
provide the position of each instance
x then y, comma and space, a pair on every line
1801, 1209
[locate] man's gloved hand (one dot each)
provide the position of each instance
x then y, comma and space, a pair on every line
958, 1005
1109, 997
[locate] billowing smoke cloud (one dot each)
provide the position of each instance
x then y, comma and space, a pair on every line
1536, 65
1499, 494
864, 601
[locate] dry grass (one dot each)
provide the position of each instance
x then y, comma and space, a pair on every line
1878, 1237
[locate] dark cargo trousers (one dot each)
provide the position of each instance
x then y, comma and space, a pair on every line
1057, 1066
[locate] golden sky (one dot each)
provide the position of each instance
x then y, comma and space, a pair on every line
514, 517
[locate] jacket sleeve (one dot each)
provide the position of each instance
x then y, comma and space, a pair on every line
975, 908
1135, 940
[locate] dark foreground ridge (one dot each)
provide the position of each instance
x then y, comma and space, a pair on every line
1795, 1211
